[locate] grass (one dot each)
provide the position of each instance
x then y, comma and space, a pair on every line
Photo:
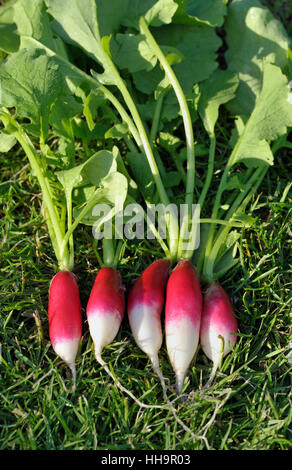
247, 408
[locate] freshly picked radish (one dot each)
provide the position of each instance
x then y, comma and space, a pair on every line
145, 304
218, 326
105, 308
183, 311
65, 322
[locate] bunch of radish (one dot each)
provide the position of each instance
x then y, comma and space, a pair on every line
189, 318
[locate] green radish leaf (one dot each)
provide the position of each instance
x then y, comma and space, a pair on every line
70, 178
269, 120
115, 187
192, 43
231, 239
24, 20
31, 82
98, 167
118, 131
218, 89
235, 182
172, 179
155, 12
254, 37
7, 141
85, 22
169, 142
76, 23
132, 185
132, 52
32, 20
140, 169
65, 109
112, 193
91, 172
226, 257
9, 39
80, 195
225, 263
81, 130
211, 12
93, 102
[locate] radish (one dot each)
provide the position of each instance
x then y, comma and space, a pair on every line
218, 326
65, 322
183, 311
145, 304
105, 308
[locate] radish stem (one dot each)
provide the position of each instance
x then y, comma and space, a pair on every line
190, 177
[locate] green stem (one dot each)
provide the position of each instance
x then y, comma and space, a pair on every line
121, 243
190, 178
220, 239
52, 214
209, 171
190, 184
94, 247
156, 117
130, 144
89, 205
158, 237
216, 209
109, 65
179, 167
229, 223
172, 227
240, 197
108, 252
217, 202
69, 224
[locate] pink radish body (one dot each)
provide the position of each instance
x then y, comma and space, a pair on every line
145, 304
105, 308
65, 322
183, 311
218, 326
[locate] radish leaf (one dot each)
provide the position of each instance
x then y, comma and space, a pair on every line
218, 89
254, 37
211, 12
270, 118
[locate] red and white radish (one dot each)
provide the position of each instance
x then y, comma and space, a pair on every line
65, 321
145, 304
183, 311
218, 326
105, 308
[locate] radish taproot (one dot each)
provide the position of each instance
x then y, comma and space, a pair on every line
65, 321
183, 311
145, 304
218, 326
105, 308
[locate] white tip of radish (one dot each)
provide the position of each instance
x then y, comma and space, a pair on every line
146, 328
215, 346
182, 338
180, 378
67, 350
103, 329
